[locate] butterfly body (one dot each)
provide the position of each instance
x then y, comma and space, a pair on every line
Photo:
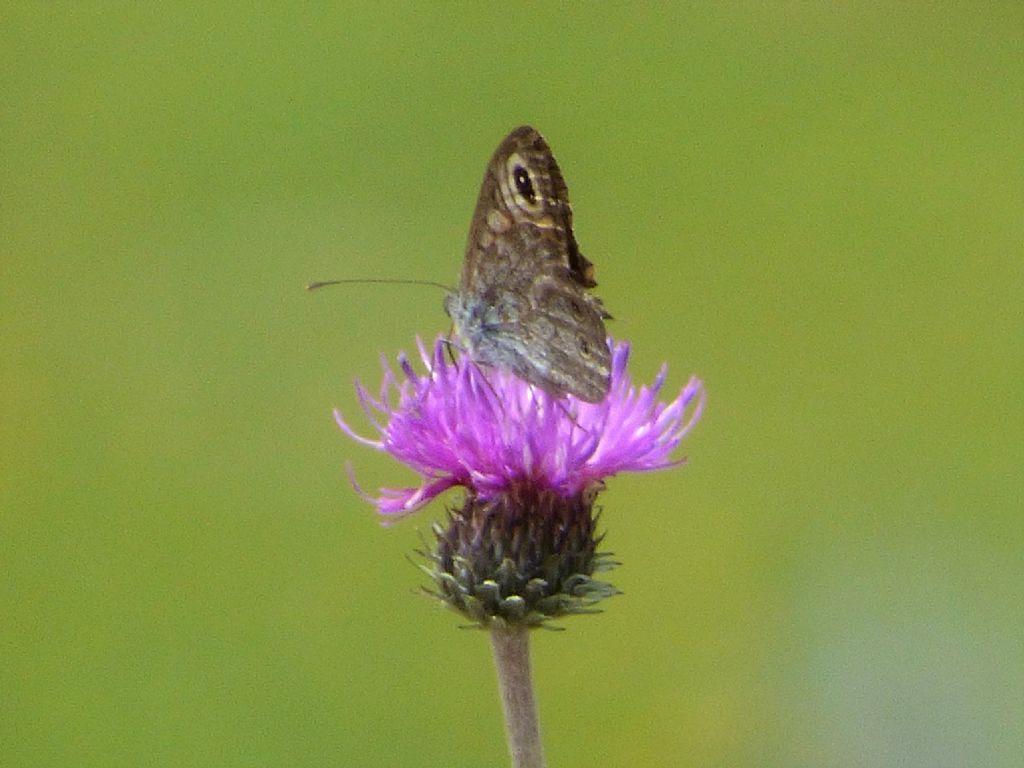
522, 303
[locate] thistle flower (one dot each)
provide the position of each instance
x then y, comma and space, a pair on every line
523, 547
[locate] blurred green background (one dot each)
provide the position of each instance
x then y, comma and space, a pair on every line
818, 208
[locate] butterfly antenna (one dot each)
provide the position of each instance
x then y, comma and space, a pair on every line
381, 280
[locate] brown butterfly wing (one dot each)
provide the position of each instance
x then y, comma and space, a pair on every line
522, 304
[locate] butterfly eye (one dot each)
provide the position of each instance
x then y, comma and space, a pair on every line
524, 184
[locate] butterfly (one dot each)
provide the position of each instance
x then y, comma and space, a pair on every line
523, 303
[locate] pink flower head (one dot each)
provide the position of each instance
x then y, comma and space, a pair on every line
487, 430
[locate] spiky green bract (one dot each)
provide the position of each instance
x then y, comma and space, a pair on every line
521, 558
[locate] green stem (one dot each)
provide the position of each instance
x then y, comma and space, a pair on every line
512, 660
